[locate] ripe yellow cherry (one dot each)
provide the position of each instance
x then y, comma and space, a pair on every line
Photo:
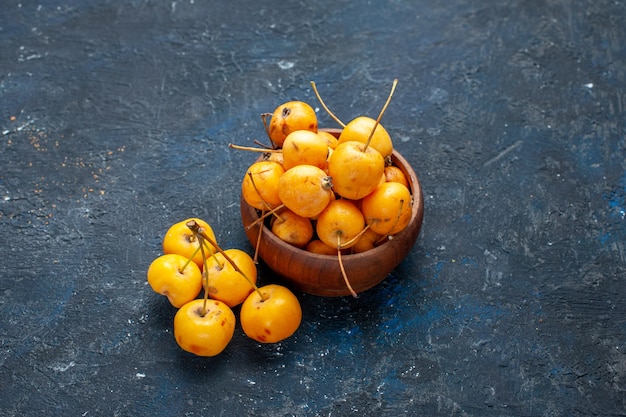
173, 276
226, 284
289, 117
356, 170
259, 187
321, 248
292, 228
179, 239
339, 224
305, 189
359, 130
395, 174
204, 333
387, 210
303, 147
273, 317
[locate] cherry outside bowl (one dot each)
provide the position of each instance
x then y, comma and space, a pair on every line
320, 274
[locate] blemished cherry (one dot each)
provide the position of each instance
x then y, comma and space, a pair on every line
270, 315
289, 117
303, 147
175, 277
225, 283
204, 327
340, 224
305, 189
179, 239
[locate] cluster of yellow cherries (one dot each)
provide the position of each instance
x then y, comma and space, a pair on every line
328, 193
193, 261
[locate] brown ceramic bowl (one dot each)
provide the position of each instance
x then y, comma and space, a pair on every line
320, 274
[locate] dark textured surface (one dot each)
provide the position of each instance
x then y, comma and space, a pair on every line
115, 120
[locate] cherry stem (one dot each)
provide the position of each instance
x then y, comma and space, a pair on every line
267, 213
261, 144
267, 206
198, 230
258, 244
354, 239
343, 270
317, 94
253, 149
205, 275
193, 255
264, 117
265, 203
380, 115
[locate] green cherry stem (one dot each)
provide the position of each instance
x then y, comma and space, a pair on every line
191, 224
205, 274
191, 258
193, 255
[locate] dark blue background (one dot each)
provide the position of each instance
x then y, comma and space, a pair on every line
115, 120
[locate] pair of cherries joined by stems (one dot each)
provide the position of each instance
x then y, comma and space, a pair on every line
326, 194
193, 261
